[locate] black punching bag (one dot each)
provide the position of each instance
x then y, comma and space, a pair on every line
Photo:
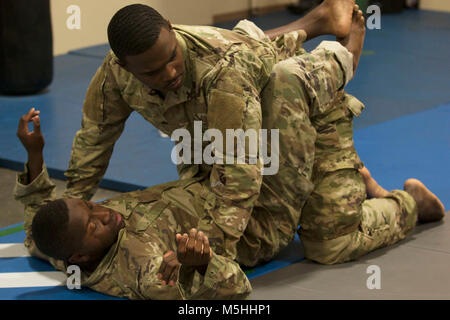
389, 6
26, 46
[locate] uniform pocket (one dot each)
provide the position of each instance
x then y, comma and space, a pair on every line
144, 214
354, 105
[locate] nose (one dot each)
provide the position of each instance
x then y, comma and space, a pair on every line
171, 72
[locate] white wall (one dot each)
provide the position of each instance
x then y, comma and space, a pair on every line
96, 14
437, 5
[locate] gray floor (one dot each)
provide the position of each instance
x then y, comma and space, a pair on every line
416, 268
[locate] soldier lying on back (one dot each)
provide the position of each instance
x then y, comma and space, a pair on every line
120, 244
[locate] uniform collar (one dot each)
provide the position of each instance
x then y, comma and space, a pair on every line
99, 273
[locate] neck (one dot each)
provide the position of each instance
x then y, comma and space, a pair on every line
89, 267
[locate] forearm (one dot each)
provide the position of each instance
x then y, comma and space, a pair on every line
104, 116
235, 180
230, 204
86, 169
222, 279
32, 194
35, 163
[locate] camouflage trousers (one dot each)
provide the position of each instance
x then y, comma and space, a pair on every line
318, 176
338, 223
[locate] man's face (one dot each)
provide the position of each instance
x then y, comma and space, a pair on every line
94, 227
162, 66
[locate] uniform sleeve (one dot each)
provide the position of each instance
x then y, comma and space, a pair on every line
135, 277
224, 279
104, 116
233, 103
187, 171
137, 262
32, 196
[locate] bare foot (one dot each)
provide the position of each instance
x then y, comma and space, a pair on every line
374, 190
330, 17
338, 16
354, 41
429, 206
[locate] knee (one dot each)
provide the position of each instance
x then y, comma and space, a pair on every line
283, 68
287, 87
328, 252
287, 72
334, 209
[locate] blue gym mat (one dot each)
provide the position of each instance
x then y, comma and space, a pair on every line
403, 79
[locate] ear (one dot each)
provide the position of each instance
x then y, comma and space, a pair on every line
122, 64
170, 25
78, 258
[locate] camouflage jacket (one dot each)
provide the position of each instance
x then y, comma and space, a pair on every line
152, 218
225, 73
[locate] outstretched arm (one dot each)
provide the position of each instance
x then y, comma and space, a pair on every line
104, 116
33, 142
33, 186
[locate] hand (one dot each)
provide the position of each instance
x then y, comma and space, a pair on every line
32, 141
193, 250
168, 271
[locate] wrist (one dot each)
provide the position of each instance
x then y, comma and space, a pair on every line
35, 154
35, 163
202, 269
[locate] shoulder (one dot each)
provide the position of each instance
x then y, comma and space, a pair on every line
112, 82
216, 40
116, 73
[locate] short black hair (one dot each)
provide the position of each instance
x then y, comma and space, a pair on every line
49, 230
134, 29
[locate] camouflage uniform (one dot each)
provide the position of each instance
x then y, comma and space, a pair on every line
225, 74
338, 224
152, 219
247, 218
154, 216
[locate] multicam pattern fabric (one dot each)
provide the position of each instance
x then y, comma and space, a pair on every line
152, 219
319, 165
337, 223
225, 74
236, 81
